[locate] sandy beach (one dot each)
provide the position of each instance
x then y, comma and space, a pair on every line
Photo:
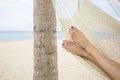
16, 63
16, 60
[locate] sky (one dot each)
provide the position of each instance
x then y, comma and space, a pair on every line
17, 15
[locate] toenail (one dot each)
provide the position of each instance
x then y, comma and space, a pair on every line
63, 40
69, 28
62, 43
72, 27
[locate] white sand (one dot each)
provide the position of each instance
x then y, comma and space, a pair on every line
16, 62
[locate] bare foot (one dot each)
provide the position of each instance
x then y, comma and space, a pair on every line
71, 47
78, 37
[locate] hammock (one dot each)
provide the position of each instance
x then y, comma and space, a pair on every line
101, 29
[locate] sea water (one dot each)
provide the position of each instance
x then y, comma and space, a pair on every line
22, 35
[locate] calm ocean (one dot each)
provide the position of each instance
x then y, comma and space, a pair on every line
21, 35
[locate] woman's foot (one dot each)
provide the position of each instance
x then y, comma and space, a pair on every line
78, 37
71, 47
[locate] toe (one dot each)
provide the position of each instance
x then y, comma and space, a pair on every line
71, 30
64, 44
74, 29
65, 41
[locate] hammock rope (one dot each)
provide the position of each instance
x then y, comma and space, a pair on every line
115, 7
92, 22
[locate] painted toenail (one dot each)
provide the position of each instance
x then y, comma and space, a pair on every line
63, 40
72, 27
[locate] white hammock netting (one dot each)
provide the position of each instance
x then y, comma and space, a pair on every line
101, 29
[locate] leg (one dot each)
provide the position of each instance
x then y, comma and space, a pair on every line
109, 66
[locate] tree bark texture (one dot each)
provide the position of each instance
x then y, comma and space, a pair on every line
45, 49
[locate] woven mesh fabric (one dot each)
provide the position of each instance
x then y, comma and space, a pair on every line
101, 29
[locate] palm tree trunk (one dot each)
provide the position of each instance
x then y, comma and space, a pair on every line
45, 52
